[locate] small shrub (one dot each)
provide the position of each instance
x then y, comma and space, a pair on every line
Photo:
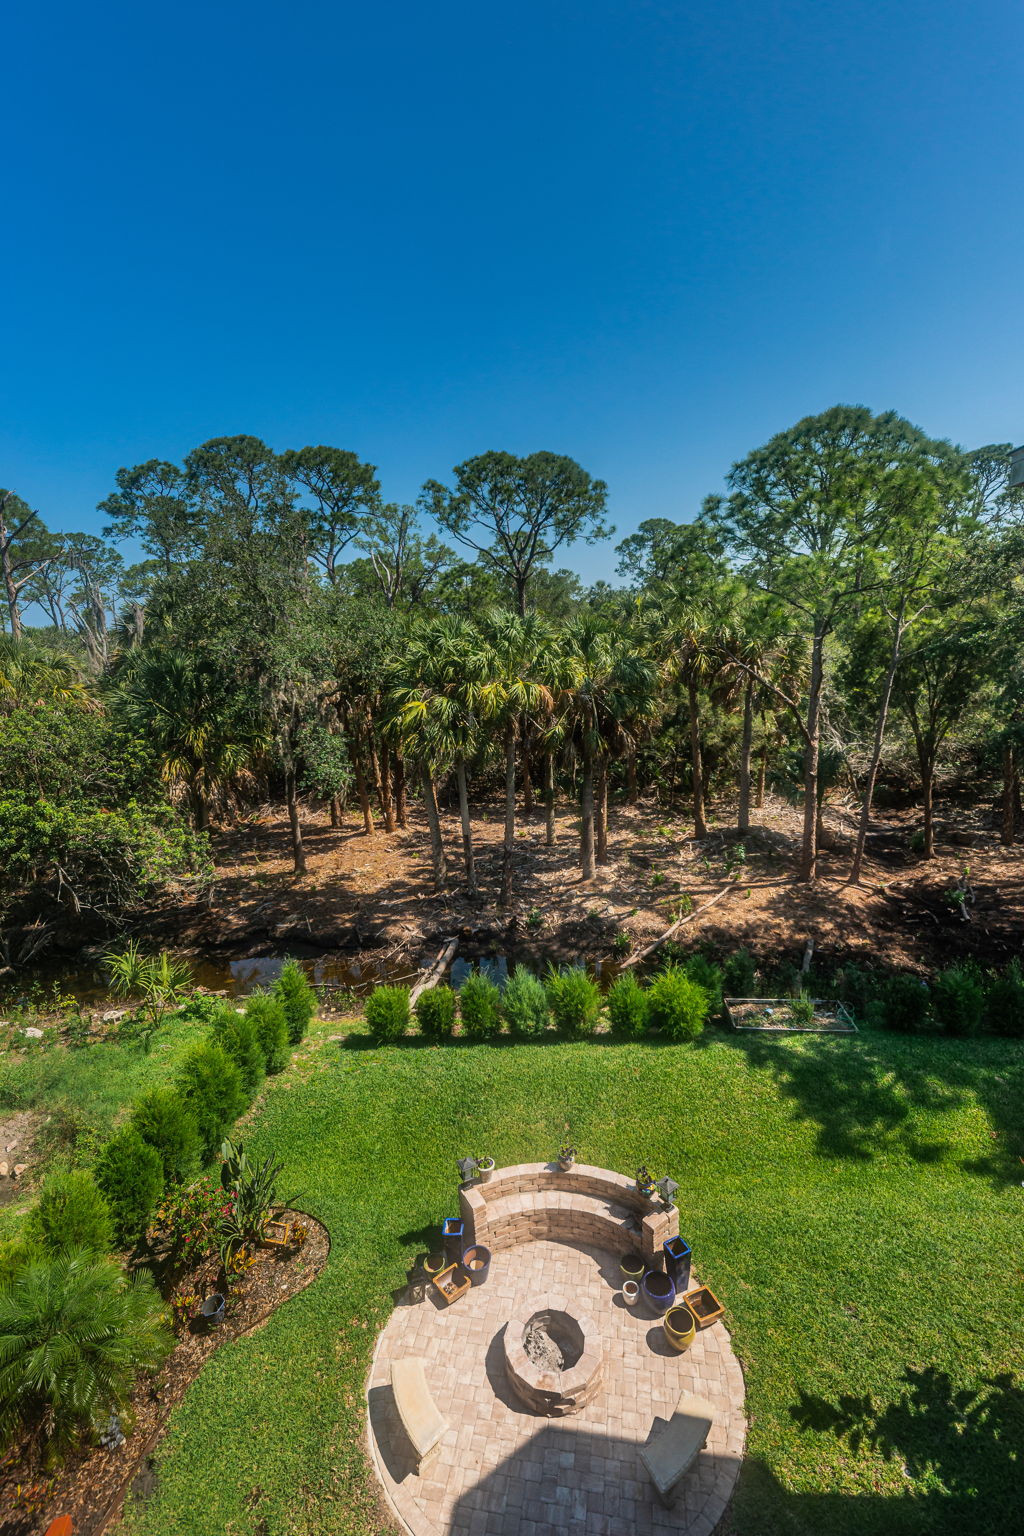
676, 1004
708, 976
268, 1019
574, 998
622, 942
211, 1086
958, 1000
480, 1006
15, 1253
627, 1007
237, 1034
906, 1004
1004, 1001
534, 920
739, 975
435, 1012
186, 1224
801, 1011
164, 1121
297, 998
200, 1008
525, 1003
131, 1176
387, 1013
71, 1214
857, 989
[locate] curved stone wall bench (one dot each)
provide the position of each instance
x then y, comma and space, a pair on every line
532, 1202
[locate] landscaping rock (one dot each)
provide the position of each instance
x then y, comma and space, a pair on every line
31, 1033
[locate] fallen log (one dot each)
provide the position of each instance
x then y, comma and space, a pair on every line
680, 922
436, 971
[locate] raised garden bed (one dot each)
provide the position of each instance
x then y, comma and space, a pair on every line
774, 1015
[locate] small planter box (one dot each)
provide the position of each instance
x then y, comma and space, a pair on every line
771, 1015
450, 1284
277, 1234
704, 1305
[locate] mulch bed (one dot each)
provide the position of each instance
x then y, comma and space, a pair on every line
91, 1485
771, 1015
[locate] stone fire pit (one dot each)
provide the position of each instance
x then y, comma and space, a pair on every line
553, 1360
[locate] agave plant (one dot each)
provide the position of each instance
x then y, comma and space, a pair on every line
252, 1192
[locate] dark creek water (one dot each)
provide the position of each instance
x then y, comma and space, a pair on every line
355, 973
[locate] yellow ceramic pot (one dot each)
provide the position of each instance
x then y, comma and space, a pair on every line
680, 1327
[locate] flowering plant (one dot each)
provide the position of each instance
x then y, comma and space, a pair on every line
187, 1222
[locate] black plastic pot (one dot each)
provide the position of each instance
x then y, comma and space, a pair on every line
212, 1310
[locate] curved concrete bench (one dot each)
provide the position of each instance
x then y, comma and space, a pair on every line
421, 1419
592, 1206
673, 1451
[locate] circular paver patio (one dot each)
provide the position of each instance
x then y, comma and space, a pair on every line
503, 1471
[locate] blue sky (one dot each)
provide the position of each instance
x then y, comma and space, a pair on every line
645, 234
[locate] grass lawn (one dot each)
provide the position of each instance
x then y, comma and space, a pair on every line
856, 1203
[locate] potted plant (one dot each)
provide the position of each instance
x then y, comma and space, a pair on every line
484, 1168
644, 1183
566, 1158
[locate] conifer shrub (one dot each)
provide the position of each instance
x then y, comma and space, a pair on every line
71, 1214
958, 1000
131, 1177
627, 1007
211, 1086
479, 1007
435, 1012
676, 1004
237, 1034
387, 1013
268, 1019
1004, 1001
739, 975
525, 1003
165, 1122
574, 999
708, 977
906, 1004
297, 998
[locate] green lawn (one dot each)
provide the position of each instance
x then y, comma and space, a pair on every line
855, 1203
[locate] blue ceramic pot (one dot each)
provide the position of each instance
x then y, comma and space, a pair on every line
659, 1291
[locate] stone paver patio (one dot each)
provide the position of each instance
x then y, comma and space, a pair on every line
503, 1471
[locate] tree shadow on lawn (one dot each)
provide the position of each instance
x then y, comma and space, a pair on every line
966, 1440
863, 1093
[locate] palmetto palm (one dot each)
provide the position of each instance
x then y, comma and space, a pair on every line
32, 675
73, 1335
204, 735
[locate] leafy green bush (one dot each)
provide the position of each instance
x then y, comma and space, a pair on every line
708, 977
75, 1333
237, 1034
435, 1012
200, 1008
387, 1013
297, 998
574, 998
267, 1016
676, 1004
15, 1253
906, 1004
739, 974
627, 1007
958, 1000
131, 1176
164, 1121
1004, 1001
525, 1003
71, 1214
479, 1006
211, 1086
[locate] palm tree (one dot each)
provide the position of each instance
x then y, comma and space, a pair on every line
30, 674
74, 1333
203, 735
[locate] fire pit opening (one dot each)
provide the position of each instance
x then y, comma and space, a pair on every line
553, 1341
553, 1360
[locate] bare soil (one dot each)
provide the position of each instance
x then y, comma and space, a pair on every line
377, 891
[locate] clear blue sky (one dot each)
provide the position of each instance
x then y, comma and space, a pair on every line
645, 234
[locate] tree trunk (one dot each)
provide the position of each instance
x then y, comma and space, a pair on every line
876, 752
434, 823
632, 792
700, 828
401, 803
336, 817
927, 800
363, 793
809, 848
524, 753
601, 809
382, 780
743, 819
587, 814
200, 808
1009, 826
549, 799
298, 853
508, 848
762, 774
467, 826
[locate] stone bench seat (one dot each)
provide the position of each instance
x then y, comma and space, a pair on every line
557, 1216
421, 1419
673, 1451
